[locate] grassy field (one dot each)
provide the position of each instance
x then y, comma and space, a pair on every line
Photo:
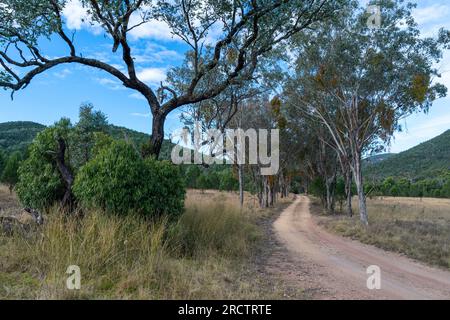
206, 255
418, 228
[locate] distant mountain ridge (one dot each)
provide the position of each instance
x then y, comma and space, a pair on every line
426, 160
378, 158
18, 135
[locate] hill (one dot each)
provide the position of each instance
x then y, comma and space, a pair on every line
378, 158
427, 160
139, 139
17, 136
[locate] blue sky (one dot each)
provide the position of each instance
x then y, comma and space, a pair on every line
60, 92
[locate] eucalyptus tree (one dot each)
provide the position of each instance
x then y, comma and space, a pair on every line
89, 124
360, 82
221, 113
306, 145
247, 29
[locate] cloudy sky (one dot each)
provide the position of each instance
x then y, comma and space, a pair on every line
59, 92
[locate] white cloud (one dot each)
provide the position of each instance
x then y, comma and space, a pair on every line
159, 56
155, 53
110, 83
422, 128
431, 13
74, 14
118, 67
444, 69
142, 115
154, 29
63, 73
152, 75
77, 17
137, 96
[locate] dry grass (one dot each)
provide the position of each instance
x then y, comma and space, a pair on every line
8, 201
205, 256
418, 228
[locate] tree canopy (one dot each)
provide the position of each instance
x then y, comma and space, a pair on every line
248, 30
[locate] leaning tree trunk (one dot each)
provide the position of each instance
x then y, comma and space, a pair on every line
157, 138
357, 172
65, 173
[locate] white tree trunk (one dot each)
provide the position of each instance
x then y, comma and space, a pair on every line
348, 191
360, 189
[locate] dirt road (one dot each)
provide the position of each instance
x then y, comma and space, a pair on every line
333, 267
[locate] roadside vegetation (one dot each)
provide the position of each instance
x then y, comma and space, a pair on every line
207, 254
418, 228
436, 187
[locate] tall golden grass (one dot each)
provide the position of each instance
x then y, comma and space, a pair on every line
203, 256
416, 227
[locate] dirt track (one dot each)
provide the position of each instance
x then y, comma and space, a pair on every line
332, 267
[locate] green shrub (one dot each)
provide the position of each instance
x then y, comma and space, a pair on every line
119, 181
40, 184
164, 187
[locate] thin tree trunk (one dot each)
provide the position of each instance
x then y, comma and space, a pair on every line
272, 193
281, 183
330, 184
241, 184
360, 189
348, 191
265, 192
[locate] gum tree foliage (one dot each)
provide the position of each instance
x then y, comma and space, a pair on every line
119, 181
359, 82
90, 123
9, 176
247, 29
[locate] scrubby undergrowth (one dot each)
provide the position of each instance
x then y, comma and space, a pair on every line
203, 256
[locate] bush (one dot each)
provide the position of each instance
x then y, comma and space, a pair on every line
40, 184
119, 181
